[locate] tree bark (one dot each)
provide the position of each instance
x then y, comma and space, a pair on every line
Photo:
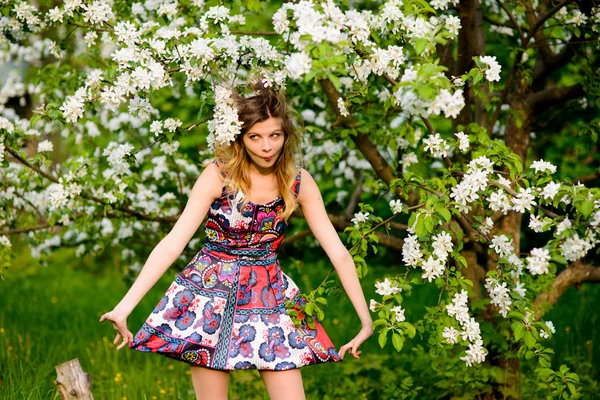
576, 273
73, 382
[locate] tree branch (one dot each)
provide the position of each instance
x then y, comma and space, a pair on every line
362, 141
576, 273
340, 223
541, 72
124, 209
513, 20
545, 17
297, 236
555, 95
355, 196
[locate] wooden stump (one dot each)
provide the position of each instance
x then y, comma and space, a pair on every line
72, 382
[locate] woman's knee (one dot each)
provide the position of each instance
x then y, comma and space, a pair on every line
209, 384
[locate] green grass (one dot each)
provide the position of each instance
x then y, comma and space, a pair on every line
49, 315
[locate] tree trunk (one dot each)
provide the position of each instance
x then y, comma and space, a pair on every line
73, 382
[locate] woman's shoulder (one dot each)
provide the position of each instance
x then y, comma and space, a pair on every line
214, 179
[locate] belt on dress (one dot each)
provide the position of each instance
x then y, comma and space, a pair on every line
252, 253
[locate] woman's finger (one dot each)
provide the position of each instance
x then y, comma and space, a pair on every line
123, 343
343, 351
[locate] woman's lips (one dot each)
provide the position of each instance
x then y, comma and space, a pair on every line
268, 158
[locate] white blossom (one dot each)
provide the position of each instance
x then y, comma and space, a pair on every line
453, 24
225, 124
386, 288
524, 200
5, 241
396, 206
486, 227
550, 190
574, 247
520, 289
411, 251
499, 201
171, 124
45, 146
543, 166
536, 223
539, 261
502, 245
97, 13
563, 226
499, 295
475, 354
463, 141
373, 305
442, 245
359, 218
450, 334
492, 72
449, 104
342, 107
436, 145
298, 65
432, 268
399, 312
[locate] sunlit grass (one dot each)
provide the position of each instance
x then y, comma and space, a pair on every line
49, 315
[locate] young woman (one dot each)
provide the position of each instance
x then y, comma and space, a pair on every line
226, 309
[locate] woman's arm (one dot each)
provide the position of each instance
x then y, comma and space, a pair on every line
311, 203
206, 189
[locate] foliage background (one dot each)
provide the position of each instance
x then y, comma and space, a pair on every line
50, 307
50, 315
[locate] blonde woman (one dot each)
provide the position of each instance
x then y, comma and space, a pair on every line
225, 311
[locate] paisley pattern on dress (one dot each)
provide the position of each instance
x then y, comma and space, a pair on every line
226, 309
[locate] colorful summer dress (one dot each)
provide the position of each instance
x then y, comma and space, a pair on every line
226, 309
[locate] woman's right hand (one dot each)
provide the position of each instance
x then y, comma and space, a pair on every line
352, 346
119, 322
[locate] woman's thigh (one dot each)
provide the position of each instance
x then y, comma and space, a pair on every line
284, 385
209, 384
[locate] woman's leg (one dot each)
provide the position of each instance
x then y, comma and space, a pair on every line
284, 385
209, 384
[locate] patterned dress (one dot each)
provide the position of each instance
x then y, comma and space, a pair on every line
226, 309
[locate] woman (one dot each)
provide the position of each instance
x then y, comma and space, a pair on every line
226, 309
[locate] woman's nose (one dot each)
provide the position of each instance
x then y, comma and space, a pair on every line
267, 145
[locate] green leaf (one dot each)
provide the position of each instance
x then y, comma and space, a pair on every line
445, 214
519, 332
529, 339
420, 45
544, 372
310, 308
33, 120
335, 80
397, 341
544, 362
586, 208
321, 300
409, 329
382, 338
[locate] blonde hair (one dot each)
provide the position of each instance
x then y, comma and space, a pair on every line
233, 160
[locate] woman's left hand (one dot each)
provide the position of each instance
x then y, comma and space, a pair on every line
352, 346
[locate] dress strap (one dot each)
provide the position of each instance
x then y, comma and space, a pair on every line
296, 185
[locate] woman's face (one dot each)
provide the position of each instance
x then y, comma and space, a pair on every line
264, 142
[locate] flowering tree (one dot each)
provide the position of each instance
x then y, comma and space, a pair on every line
402, 101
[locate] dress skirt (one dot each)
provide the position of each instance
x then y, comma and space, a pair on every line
226, 311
